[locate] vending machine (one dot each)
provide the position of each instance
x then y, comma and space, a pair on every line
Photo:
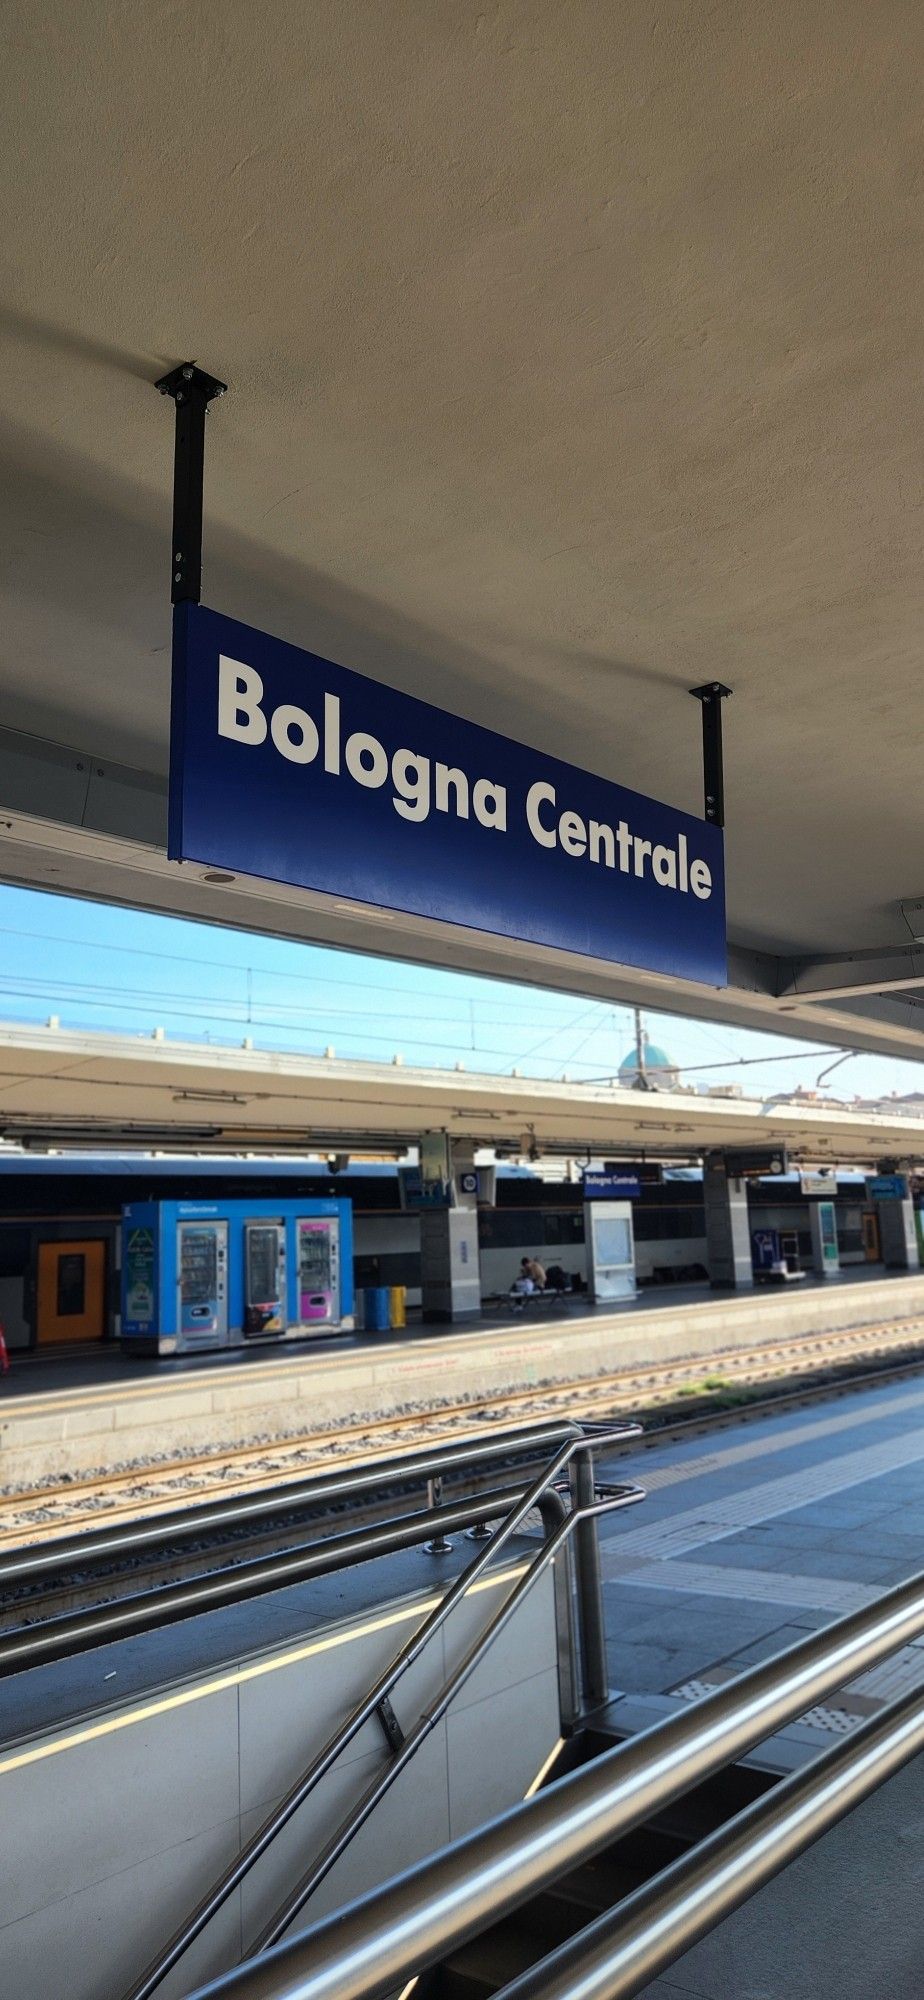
226, 1273
318, 1267
202, 1283
265, 1300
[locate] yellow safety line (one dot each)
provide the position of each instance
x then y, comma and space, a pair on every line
91, 1731
545, 1768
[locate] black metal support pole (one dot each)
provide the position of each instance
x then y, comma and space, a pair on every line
711, 696
192, 391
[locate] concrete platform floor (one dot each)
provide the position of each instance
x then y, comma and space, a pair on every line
747, 1542
50, 1369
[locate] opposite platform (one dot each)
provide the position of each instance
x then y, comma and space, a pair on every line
102, 1425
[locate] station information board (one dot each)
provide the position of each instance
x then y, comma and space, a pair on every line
289, 768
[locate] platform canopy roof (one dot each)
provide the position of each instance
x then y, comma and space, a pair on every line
575, 357
81, 1089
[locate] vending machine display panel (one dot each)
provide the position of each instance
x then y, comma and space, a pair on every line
202, 1281
265, 1278
318, 1269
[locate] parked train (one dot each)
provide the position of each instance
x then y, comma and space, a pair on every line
61, 1227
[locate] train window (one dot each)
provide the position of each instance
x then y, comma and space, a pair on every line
529, 1229
14, 1252
72, 1284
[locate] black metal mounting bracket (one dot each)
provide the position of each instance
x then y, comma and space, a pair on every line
192, 391
711, 696
391, 1727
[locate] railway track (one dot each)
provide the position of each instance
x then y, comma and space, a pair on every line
718, 1388
248, 1540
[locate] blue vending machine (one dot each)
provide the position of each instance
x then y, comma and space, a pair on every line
212, 1274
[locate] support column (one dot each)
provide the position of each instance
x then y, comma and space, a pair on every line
728, 1229
462, 1172
450, 1275
898, 1234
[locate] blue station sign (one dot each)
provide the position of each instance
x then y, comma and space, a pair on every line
289, 768
601, 1184
887, 1187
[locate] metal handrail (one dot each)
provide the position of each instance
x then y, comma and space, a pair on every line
374, 1945
433, 1714
541, 1493
628, 1946
55, 1639
35, 1562
73, 1632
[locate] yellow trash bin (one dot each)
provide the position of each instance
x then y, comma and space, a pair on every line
397, 1305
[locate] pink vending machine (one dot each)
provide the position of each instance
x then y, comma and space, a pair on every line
318, 1268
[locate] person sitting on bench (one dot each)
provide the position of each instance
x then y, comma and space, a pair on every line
530, 1278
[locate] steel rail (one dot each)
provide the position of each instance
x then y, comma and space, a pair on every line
628, 1946
372, 1947
80, 1631
184, 1523
541, 1493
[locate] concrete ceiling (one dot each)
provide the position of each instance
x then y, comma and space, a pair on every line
575, 357
70, 1088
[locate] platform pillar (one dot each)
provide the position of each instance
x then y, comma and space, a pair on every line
898, 1234
463, 1172
728, 1229
450, 1270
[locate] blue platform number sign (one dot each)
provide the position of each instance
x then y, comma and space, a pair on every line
289, 768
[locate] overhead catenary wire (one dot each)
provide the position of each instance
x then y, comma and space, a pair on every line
303, 1018
505, 1056
213, 965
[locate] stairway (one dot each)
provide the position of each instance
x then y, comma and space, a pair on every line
486, 1963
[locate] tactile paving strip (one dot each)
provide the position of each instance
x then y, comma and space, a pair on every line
860, 1699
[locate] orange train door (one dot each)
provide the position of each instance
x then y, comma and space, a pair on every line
71, 1291
871, 1245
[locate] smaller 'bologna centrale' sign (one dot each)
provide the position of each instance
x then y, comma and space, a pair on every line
287, 767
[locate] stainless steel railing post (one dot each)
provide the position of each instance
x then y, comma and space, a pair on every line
589, 1584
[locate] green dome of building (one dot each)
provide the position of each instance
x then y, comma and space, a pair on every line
657, 1067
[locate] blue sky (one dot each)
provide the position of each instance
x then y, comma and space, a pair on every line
99, 967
